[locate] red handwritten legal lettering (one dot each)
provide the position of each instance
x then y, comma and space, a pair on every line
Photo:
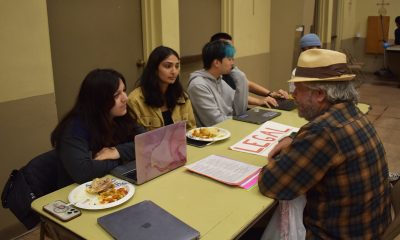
270, 139
273, 132
249, 150
247, 141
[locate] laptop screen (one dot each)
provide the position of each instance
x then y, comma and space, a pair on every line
160, 151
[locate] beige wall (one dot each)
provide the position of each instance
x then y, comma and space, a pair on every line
160, 24
27, 102
367, 8
26, 125
251, 33
251, 27
193, 16
255, 67
89, 35
25, 50
355, 15
349, 19
170, 23
282, 40
308, 15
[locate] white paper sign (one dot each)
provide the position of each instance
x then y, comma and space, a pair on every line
263, 140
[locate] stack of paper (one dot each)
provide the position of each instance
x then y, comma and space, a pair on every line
226, 170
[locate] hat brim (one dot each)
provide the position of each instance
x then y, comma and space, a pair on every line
344, 77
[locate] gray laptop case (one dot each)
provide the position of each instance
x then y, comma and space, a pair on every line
146, 221
257, 116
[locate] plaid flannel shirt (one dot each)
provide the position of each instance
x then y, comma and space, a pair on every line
339, 162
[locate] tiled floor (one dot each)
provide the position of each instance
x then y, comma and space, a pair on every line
383, 96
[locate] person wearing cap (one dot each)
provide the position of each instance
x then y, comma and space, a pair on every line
268, 97
308, 41
337, 159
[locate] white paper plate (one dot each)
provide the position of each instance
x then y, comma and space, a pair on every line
222, 134
82, 199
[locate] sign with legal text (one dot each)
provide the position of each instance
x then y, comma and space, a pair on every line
263, 140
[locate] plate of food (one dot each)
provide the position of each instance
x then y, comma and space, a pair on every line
208, 134
101, 193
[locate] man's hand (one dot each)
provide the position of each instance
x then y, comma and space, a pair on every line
269, 102
107, 154
280, 94
283, 143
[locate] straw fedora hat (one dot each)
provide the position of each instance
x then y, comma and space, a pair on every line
322, 65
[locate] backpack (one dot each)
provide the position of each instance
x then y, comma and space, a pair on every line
37, 178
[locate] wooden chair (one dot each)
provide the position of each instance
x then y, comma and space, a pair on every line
353, 64
394, 228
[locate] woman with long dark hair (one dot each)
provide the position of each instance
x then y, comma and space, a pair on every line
97, 134
159, 99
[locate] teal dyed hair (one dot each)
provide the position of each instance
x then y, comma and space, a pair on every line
216, 50
229, 51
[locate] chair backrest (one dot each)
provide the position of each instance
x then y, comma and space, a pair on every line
394, 228
351, 60
34, 180
41, 173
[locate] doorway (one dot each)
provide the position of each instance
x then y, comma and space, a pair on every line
90, 34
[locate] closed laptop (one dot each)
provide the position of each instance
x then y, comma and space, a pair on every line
146, 221
257, 116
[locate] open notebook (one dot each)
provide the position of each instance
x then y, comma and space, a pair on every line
157, 152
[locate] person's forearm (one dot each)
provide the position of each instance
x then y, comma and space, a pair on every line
76, 159
258, 89
254, 101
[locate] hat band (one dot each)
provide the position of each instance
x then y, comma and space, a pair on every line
334, 70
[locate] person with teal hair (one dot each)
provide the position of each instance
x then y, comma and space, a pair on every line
213, 100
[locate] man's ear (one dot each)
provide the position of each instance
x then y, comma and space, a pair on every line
320, 95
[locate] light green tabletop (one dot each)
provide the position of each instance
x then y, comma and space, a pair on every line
216, 210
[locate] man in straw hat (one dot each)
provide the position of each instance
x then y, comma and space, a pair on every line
337, 159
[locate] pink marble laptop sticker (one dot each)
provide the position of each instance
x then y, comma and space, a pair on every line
161, 151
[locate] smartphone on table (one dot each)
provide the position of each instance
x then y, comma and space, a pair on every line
197, 143
62, 210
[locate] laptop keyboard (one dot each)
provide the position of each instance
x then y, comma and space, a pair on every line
285, 104
131, 174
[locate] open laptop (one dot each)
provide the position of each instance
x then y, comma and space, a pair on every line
257, 116
146, 220
285, 104
157, 152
